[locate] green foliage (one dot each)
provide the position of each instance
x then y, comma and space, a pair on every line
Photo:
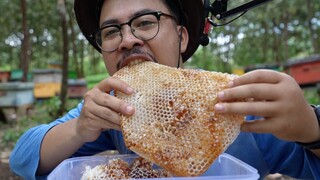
43, 113
51, 106
92, 80
312, 95
271, 33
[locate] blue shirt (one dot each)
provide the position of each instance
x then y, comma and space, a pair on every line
264, 152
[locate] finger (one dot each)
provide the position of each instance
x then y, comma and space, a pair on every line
106, 114
257, 108
117, 105
255, 91
94, 121
95, 97
257, 76
112, 83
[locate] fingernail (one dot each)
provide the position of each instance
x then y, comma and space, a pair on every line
129, 109
230, 84
221, 95
129, 90
219, 108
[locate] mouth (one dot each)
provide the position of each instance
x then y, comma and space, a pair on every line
134, 59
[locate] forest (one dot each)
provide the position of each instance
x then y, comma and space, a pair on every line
37, 33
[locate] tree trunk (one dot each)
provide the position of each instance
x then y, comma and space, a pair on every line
2, 117
25, 47
65, 58
74, 49
82, 58
313, 34
276, 42
285, 20
94, 61
266, 38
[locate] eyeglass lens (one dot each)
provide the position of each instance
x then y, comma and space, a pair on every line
143, 27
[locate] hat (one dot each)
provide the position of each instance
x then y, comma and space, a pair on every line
88, 21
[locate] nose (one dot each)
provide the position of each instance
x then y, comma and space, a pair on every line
128, 39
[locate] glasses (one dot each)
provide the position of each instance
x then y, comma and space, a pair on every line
144, 27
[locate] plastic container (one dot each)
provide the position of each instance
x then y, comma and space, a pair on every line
226, 167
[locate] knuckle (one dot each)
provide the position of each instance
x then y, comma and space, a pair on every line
122, 106
91, 123
252, 91
230, 94
105, 100
251, 109
88, 95
85, 108
227, 107
108, 114
257, 75
110, 79
91, 93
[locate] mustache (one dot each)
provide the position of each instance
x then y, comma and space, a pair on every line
136, 51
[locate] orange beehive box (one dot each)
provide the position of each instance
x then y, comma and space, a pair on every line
305, 71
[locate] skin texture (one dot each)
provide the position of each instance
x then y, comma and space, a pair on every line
274, 95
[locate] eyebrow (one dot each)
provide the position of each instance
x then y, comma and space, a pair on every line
115, 21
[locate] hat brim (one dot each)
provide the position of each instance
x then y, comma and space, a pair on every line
85, 12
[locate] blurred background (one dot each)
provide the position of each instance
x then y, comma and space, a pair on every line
46, 65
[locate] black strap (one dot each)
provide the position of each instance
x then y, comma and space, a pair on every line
314, 144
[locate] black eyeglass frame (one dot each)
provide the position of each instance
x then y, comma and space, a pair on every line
157, 14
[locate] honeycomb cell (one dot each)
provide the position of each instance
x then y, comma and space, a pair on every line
174, 124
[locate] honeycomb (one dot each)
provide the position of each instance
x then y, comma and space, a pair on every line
120, 169
174, 125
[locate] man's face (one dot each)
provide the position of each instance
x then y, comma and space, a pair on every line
163, 49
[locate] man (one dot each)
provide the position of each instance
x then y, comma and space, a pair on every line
168, 32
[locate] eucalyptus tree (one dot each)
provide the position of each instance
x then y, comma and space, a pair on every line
271, 33
10, 34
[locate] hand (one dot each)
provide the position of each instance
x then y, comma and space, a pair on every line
278, 99
101, 111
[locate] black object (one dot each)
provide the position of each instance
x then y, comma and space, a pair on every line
219, 10
315, 144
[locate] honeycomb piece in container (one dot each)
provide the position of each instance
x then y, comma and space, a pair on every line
174, 124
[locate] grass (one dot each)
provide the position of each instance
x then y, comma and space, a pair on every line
92, 80
43, 112
312, 95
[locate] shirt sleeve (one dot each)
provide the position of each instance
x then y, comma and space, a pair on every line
288, 158
25, 156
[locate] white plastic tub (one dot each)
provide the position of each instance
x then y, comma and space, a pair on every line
226, 167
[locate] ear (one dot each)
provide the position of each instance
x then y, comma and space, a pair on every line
183, 33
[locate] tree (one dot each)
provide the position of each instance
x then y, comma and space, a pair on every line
65, 60
271, 33
25, 49
314, 36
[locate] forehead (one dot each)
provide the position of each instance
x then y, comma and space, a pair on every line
122, 10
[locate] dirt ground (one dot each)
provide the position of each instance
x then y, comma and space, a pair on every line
5, 173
